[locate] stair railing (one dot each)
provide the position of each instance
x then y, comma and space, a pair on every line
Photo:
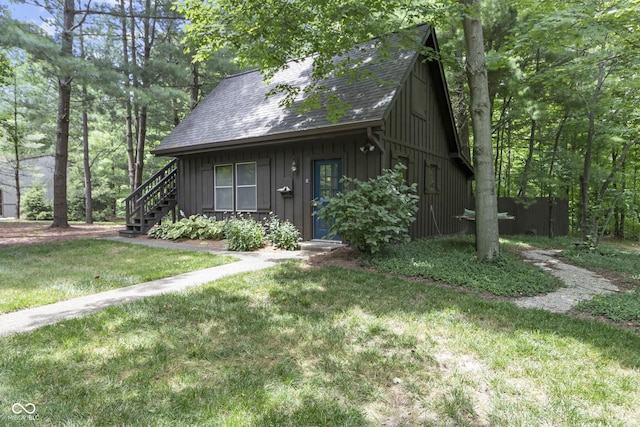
151, 193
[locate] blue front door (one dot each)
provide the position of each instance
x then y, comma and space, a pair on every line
326, 184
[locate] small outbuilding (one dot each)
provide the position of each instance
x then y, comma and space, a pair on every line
239, 150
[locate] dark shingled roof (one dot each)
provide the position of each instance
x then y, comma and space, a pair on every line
238, 111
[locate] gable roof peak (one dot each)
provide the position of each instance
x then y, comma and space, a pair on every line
243, 108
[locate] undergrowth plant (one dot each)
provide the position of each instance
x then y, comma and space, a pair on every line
244, 233
619, 307
282, 234
453, 260
193, 227
34, 205
372, 213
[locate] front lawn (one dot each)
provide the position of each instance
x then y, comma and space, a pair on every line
298, 346
35, 275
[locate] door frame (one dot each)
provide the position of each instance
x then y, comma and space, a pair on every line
314, 185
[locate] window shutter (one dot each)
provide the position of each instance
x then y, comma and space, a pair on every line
207, 188
264, 184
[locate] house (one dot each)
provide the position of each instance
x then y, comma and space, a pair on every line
240, 151
36, 170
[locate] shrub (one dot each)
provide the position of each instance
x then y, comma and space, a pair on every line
372, 213
44, 216
193, 227
34, 206
244, 234
282, 234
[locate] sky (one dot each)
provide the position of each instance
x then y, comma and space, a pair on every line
24, 12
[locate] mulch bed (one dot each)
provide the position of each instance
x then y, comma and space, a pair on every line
16, 233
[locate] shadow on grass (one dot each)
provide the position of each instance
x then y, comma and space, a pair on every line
381, 296
284, 346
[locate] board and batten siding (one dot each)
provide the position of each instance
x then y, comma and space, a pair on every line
415, 134
196, 180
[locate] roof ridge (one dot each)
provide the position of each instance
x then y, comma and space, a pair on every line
303, 58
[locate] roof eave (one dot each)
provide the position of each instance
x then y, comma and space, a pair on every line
276, 138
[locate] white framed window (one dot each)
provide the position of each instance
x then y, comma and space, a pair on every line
236, 187
223, 188
246, 187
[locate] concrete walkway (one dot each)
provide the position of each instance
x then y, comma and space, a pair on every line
581, 284
33, 318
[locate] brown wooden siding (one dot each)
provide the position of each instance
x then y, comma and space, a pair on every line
195, 183
419, 135
414, 133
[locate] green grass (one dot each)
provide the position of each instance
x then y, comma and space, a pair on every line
331, 347
35, 275
453, 260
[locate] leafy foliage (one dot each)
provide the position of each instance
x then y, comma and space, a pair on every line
193, 227
282, 234
244, 234
453, 260
5, 69
372, 213
34, 206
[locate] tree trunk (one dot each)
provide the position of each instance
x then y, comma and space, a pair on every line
500, 135
60, 207
88, 204
16, 145
619, 162
487, 237
587, 226
554, 155
195, 86
142, 135
149, 28
461, 110
127, 89
532, 140
527, 164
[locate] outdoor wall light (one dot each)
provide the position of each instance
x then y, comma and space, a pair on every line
294, 166
367, 147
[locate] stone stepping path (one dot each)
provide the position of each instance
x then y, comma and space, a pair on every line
581, 284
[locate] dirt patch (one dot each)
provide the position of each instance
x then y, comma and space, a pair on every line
340, 257
16, 233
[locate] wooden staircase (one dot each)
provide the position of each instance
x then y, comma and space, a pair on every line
152, 201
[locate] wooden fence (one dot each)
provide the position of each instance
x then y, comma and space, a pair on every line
543, 216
